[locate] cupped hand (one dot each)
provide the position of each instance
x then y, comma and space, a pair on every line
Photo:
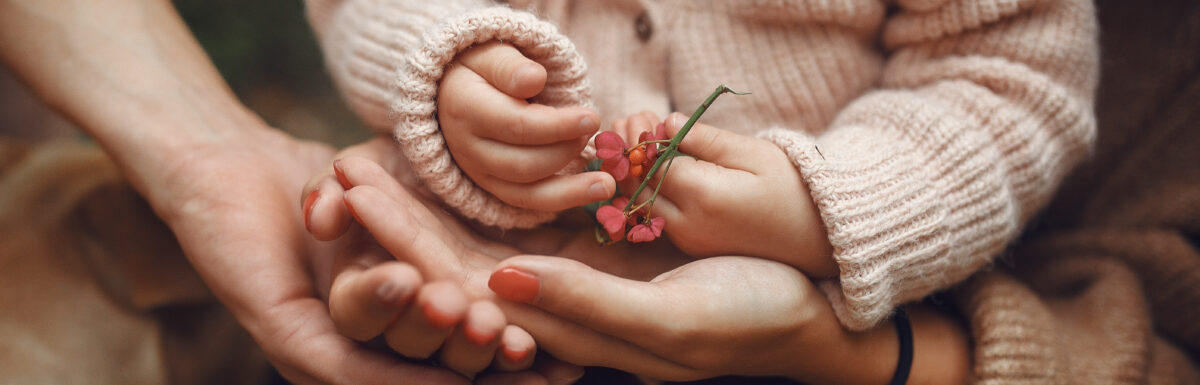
231, 203
373, 295
508, 146
734, 195
710, 317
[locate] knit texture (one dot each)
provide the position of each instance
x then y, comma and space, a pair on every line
924, 158
392, 72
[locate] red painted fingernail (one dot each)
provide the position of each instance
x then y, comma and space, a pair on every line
477, 337
437, 319
309, 202
515, 356
341, 176
514, 285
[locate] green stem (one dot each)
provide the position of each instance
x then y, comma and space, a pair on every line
673, 148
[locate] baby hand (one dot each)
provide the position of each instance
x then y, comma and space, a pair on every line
508, 146
734, 195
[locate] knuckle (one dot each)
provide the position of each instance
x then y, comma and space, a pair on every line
705, 144
520, 127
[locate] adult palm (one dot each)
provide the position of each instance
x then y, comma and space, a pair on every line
657, 313
231, 203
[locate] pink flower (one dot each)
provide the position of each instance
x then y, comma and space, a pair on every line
612, 217
611, 149
647, 232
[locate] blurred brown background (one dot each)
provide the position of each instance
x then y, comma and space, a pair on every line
264, 49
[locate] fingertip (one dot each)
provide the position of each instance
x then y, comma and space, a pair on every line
589, 122
484, 323
326, 216
675, 122
443, 304
517, 347
398, 283
527, 80
602, 186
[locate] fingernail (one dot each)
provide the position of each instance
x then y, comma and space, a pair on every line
514, 285
437, 319
341, 176
588, 125
390, 293
567, 376
519, 74
516, 357
597, 192
350, 206
309, 202
677, 120
478, 338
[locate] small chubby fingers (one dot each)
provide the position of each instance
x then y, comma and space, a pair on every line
523, 164
506, 68
555, 193
468, 104
422, 329
362, 303
718, 146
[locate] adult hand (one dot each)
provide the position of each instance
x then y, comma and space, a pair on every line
130, 74
715, 316
711, 317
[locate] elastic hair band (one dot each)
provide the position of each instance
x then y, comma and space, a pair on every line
904, 364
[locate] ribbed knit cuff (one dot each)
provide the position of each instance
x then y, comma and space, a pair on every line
882, 220
416, 126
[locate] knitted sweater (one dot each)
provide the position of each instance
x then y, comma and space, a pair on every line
927, 134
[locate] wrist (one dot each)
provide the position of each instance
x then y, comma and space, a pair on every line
940, 352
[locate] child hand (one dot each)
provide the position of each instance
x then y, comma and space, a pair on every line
734, 195
508, 146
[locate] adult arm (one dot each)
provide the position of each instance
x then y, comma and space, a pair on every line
129, 73
983, 107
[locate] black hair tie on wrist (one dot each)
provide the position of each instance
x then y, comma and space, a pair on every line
904, 364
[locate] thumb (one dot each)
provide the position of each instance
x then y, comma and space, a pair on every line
714, 145
506, 68
606, 303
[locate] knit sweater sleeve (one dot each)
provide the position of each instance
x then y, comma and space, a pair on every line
388, 56
983, 107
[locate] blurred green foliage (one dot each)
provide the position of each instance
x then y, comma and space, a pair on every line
267, 53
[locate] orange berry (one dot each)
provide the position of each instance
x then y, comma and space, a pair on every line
635, 170
637, 156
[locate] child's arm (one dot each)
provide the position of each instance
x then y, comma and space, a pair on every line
389, 58
917, 185
985, 106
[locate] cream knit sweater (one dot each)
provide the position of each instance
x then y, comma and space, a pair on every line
928, 131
